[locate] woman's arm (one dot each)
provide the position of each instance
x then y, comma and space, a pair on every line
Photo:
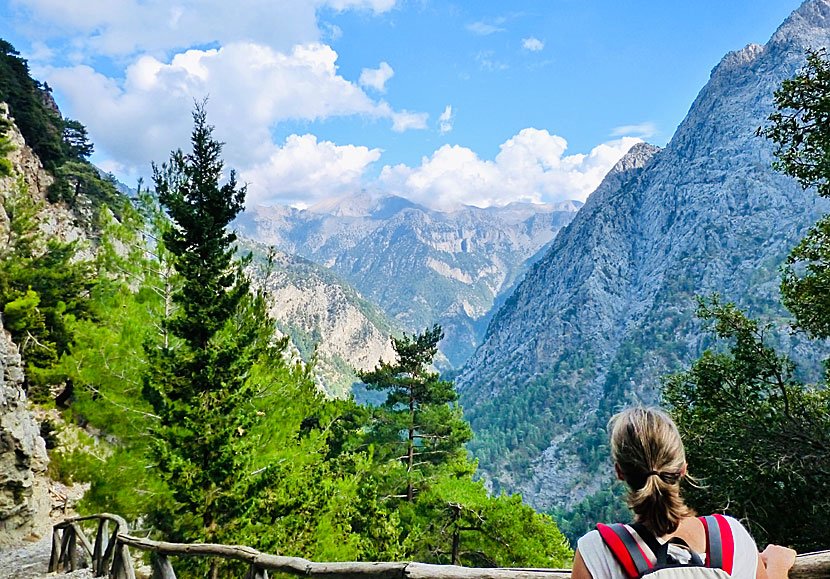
580, 571
774, 563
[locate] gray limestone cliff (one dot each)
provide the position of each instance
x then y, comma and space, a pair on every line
24, 499
610, 307
326, 319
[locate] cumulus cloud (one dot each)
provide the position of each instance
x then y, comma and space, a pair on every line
532, 44
126, 27
303, 171
251, 88
531, 166
643, 130
376, 77
445, 120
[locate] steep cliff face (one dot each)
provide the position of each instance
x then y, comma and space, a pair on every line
421, 266
610, 307
24, 499
326, 319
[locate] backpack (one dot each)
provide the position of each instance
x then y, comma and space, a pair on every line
720, 550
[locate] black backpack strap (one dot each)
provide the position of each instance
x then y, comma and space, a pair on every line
661, 551
649, 539
694, 558
625, 549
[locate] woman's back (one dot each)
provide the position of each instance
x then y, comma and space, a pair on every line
649, 457
602, 564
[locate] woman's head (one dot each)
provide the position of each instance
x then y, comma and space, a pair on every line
648, 454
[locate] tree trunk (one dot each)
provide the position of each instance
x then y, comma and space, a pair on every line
411, 451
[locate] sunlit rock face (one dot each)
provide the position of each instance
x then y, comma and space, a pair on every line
610, 308
24, 500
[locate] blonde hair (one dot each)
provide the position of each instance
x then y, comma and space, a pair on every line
647, 449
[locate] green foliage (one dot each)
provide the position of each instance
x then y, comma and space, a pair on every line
62, 145
43, 288
758, 438
605, 506
6, 147
417, 435
460, 523
198, 382
78, 182
420, 422
41, 128
801, 130
801, 124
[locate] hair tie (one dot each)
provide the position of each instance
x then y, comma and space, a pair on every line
652, 473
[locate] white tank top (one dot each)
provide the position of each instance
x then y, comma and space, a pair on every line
602, 564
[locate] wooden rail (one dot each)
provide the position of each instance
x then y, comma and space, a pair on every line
110, 557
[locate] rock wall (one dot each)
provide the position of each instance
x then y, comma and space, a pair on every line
24, 497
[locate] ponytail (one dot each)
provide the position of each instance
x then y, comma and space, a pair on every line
649, 455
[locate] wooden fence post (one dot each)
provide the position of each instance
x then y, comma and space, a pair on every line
72, 548
64, 550
255, 572
56, 550
99, 567
162, 569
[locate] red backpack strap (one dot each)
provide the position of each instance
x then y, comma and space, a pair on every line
625, 549
720, 545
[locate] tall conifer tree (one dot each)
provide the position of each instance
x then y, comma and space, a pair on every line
198, 382
420, 422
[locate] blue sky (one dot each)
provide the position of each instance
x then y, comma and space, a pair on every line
468, 102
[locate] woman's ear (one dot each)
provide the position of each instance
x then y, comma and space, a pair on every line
618, 470
685, 469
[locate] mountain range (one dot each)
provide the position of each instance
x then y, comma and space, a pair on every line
421, 266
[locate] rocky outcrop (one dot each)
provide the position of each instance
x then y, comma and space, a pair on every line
24, 500
326, 319
610, 308
421, 266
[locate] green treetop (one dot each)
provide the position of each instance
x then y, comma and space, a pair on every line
420, 423
198, 380
801, 130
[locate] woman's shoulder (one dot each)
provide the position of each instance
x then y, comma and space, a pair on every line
737, 528
597, 558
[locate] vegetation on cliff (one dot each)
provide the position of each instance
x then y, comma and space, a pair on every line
200, 423
758, 436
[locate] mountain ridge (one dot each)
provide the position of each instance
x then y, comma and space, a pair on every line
610, 307
421, 265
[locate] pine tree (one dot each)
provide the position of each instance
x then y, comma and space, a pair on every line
198, 380
420, 423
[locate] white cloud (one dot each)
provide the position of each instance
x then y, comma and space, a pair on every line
532, 44
487, 62
405, 120
483, 29
531, 166
251, 88
376, 77
445, 120
127, 27
643, 130
303, 171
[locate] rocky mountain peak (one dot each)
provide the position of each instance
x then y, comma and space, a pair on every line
805, 27
610, 307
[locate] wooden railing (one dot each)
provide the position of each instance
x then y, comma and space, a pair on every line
110, 557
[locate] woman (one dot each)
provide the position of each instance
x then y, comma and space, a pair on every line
649, 456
